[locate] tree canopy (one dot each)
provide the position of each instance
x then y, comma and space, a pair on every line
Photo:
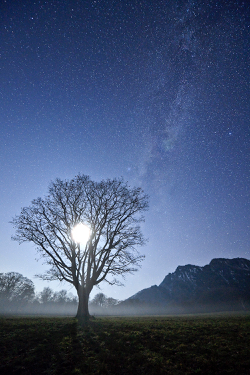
111, 209
15, 290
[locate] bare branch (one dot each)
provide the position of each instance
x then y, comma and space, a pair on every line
110, 208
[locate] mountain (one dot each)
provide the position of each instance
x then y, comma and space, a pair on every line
222, 284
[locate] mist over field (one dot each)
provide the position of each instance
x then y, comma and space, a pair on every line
220, 286
134, 308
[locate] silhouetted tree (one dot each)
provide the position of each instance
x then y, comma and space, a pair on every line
99, 300
110, 208
15, 291
50, 302
61, 296
46, 295
110, 302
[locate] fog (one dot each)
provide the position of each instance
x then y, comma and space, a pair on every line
70, 309
37, 308
18, 297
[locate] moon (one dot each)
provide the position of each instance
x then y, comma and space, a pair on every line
81, 233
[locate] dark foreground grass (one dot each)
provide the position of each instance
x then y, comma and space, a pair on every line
154, 345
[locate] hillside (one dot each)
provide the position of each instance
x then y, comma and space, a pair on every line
222, 284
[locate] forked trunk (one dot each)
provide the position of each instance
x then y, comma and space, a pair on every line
83, 306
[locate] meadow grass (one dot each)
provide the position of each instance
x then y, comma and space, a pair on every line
216, 344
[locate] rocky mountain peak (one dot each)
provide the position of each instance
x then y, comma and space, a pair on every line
220, 281
236, 263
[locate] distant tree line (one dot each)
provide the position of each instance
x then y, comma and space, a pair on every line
18, 296
101, 303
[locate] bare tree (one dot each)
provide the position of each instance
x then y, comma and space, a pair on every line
46, 295
113, 212
111, 302
102, 301
15, 291
99, 300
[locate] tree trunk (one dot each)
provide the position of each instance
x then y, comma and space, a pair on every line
83, 305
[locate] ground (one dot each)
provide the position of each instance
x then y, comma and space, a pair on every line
204, 344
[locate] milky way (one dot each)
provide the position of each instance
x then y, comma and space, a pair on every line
157, 92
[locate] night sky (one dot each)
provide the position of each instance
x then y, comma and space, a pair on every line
154, 91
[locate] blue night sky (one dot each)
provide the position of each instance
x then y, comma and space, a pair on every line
154, 91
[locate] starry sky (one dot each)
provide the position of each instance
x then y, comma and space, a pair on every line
154, 91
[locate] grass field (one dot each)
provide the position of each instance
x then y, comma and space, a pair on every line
144, 345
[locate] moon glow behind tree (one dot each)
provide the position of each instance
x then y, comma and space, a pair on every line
81, 233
